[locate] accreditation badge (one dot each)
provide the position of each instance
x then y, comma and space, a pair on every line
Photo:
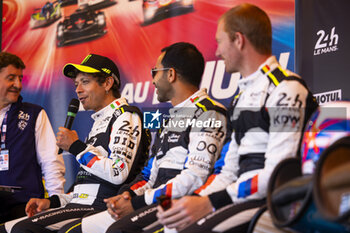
4, 160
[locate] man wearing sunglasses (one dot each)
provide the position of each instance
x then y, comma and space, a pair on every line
258, 138
183, 153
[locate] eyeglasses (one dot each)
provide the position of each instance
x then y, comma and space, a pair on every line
155, 70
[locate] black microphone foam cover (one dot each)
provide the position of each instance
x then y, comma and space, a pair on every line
73, 106
72, 112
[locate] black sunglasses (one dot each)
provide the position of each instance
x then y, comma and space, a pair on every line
155, 70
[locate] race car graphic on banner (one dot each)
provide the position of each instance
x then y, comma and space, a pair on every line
46, 15
96, 4
82, 25
156, 10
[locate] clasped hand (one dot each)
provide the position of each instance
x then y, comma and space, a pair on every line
119, 206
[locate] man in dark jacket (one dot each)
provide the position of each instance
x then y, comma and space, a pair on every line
28, 144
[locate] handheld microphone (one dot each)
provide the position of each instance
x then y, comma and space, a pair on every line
72, 112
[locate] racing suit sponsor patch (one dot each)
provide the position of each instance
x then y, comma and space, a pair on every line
85, 193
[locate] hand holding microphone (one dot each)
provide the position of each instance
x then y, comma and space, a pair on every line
65, 136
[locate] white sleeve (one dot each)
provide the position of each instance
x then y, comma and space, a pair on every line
52, 165
115, 165
285, 107
225, 169
203, 150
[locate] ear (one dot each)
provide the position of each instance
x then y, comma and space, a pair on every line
171, 77
109, 83
239, 40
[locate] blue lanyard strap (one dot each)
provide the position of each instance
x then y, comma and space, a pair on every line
3, 131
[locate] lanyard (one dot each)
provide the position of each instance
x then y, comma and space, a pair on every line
3, 131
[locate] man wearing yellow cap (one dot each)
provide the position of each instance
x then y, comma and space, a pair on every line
113, 153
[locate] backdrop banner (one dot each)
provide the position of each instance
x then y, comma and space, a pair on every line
322, 47
47, 35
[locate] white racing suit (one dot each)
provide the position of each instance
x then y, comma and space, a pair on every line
266, 120
183, 156
113, 154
